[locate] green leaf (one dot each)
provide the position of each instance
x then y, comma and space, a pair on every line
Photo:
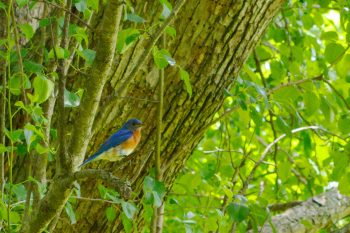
41, 149
2, 148
93, 4
284, 171
186, 78
2, 6
312, 103
81, 5
129, 209
29, 137
343, 125
263, 53
20, 191
33, 67
341, 163
15, 135
111, 214
27, 30
43, 87
15, 85
70, 213
22, 3
306, 142
282, 125
89, 55
127, 223
162, 58
333, 52
330, 35
126, 38
135, 18
171, 31
237, 211
167, 8
60, 53
44, 22
277, 70
36, 130
154, 191
71, 99
344, 184
348, 33
256, 117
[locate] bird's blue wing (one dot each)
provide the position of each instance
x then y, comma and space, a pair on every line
116, 139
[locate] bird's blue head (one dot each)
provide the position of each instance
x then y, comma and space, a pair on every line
133, 124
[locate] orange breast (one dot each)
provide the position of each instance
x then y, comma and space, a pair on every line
132, 142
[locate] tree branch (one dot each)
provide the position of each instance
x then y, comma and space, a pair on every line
106, 43
121, 186
319, 211
59, 191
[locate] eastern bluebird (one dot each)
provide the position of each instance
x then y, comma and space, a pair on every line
121, 143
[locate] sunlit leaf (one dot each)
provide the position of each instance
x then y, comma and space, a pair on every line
333, 52
43, 87
70, 213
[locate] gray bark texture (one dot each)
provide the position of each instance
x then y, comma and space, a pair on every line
312, 215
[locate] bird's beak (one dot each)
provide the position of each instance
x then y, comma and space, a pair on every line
140, 125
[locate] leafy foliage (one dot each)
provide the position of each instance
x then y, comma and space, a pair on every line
257, 153
296, 77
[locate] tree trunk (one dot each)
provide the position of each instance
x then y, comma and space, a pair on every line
214, 39
312, 215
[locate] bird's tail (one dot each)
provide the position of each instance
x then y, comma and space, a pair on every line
92, 157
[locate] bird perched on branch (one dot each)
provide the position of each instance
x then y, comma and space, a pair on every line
121, 143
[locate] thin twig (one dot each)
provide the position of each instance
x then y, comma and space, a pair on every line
271, 114
69, 12
268, 148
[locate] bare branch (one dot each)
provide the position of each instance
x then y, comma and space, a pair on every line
121, 186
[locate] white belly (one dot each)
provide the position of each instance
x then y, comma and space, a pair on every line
114, 154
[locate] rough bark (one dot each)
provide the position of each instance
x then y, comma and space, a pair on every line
59, 191
214, 38
312, 215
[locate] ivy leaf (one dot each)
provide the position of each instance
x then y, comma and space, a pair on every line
111, 214
333, 52
129, 209
135, 18
70, 213
43, 88
167, 8
33, 67
186, 78
127, 223
71, 99
81, 5
2, 6
89, 55
60, 53
29, 136
162, 58
27, 30
2, 148
22, 3
126, 38
171, 31
237, 211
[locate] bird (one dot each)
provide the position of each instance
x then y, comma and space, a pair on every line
121, 143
